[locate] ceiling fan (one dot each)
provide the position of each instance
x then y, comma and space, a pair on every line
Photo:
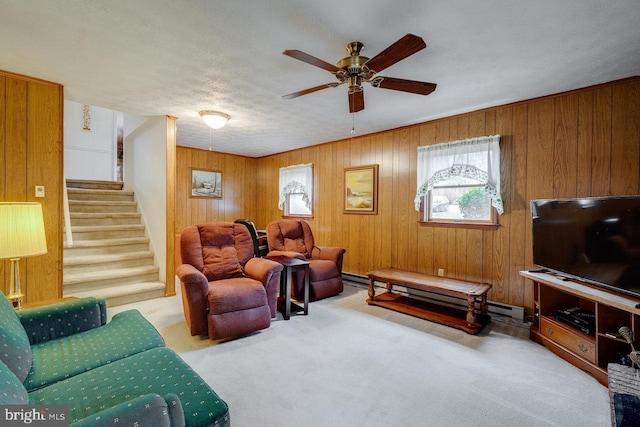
356, 69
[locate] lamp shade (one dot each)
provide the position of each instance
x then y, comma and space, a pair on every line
21, 230
214, 119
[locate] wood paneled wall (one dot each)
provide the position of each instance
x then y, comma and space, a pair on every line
239, 175
582, 143
31, 154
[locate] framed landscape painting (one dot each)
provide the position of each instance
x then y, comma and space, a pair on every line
361, 189
206, 184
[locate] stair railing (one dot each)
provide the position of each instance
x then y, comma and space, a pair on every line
67, 216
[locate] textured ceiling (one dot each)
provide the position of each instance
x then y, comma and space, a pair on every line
156, 57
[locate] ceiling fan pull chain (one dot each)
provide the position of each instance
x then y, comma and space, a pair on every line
353, 116
353, 123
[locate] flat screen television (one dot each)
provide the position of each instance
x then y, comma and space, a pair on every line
595, 240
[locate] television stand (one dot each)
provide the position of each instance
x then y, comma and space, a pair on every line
591, 353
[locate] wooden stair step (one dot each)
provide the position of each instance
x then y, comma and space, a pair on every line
109, 242
126, 294
100, 215
95, 184
108, 275
107, 246
102, 203
95, 232
84, 194
102, 206
101, 218
119, 227
83, 263
105, 258
112, 274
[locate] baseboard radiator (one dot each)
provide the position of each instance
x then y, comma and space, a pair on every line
513, 311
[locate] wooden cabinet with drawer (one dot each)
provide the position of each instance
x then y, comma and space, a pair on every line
590, 352
579, 343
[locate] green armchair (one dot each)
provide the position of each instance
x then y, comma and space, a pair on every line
105, 373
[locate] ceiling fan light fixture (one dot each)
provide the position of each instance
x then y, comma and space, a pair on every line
214, 119
355, 84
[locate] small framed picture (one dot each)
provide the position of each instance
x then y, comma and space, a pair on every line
206, 184
361, 190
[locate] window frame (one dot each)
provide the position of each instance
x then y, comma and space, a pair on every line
470, 158
288, 214
427, 220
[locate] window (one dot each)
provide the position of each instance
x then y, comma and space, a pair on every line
296, 206
296, 190
459, 182
458, 200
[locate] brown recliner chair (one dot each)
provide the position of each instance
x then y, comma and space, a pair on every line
225, 290
293, 238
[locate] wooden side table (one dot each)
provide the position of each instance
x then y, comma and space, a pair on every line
291, 265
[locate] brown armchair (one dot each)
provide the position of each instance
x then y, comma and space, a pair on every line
293, 238
225, 290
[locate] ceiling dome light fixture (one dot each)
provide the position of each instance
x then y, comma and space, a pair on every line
214, 119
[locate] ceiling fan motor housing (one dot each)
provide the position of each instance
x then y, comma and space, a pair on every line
353, 64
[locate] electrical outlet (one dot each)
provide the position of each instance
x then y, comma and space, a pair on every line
39, 190
441, 272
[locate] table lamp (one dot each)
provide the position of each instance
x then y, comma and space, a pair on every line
21, 235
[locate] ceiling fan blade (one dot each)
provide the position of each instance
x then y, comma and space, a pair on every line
356, 101
310, 90
305, 57
411, 86
406, 46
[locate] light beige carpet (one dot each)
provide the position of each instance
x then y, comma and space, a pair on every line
350, 364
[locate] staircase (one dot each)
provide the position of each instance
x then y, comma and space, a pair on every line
110, 256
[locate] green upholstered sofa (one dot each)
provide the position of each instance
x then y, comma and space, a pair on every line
113, 373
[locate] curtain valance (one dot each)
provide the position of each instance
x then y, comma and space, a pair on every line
296, 179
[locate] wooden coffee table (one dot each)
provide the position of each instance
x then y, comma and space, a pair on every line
291, 265
472, 320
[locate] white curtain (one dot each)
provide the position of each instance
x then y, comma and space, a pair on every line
296, 179
476, 158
